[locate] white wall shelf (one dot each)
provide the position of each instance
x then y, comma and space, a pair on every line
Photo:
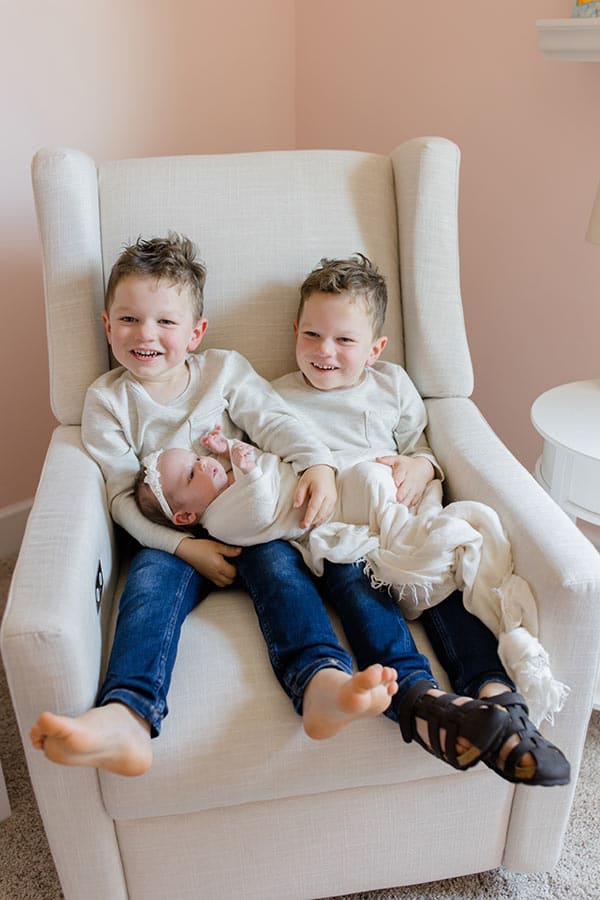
570, 39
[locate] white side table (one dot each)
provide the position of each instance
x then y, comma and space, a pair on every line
568, 419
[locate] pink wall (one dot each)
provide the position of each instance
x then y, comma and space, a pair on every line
115, 80
197, 76
529, 131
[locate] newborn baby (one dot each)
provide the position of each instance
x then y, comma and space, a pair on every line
177, 487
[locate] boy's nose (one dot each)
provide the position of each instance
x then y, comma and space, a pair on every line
146, 330
325, 346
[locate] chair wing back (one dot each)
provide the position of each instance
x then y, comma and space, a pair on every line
437, 358
261, 222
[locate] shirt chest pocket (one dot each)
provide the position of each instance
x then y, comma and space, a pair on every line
379, 428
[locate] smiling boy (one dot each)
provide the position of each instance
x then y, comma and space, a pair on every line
161, 394
364, 408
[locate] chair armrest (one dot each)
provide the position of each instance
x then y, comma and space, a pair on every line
560, 564
563, 570
51, 642
51, 634
478, 466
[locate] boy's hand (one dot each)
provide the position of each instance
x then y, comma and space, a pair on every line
209, 558
411, 476
317, 485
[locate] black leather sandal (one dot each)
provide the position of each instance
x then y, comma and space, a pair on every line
551, 766
479, 722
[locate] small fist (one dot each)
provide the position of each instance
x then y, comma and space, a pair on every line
215, 442
243, 456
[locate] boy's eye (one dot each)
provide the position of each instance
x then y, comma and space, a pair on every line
166, 322
311, 334
127, 319
346, 340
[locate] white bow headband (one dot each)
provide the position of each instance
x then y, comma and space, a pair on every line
152, 479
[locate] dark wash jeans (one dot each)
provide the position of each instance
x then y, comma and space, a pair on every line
162, 590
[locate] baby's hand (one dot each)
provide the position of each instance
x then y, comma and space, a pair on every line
317, 485
215, 442
411, 476
243, 456
209, 558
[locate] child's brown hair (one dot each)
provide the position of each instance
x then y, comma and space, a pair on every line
358, 276
172, 258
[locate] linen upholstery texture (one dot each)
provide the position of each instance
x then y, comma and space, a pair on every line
238, 799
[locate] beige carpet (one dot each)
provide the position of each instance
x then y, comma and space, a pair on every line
27, 871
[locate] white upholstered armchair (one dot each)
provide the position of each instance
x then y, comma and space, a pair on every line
239, 803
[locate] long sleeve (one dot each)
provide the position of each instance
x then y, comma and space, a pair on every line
383, 414
409, 433
262, 414
107, 436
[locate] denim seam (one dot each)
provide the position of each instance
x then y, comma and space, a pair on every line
167, 639
448, 644
274, 657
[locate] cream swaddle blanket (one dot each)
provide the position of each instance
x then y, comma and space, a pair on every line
422, 555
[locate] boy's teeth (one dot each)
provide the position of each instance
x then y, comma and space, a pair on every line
146, 353
324, 368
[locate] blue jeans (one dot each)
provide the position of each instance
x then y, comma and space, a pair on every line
300, 638
161, 590
298, 632
465, 647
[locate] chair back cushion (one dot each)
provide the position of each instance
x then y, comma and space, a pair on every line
261, 222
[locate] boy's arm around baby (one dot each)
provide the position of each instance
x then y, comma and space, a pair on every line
106, 440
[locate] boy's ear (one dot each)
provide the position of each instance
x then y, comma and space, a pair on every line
185, 518
376, 350
197, 333
106, 323
295, 326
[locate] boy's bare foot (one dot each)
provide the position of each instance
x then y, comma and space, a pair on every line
334, 699
110, 737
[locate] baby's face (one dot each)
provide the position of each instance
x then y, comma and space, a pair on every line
334, 341
190, 483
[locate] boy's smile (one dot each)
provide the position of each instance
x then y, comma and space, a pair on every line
334, 340
150, 327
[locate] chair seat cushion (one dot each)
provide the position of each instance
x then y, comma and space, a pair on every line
229, 717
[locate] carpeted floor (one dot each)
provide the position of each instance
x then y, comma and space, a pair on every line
27, 871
